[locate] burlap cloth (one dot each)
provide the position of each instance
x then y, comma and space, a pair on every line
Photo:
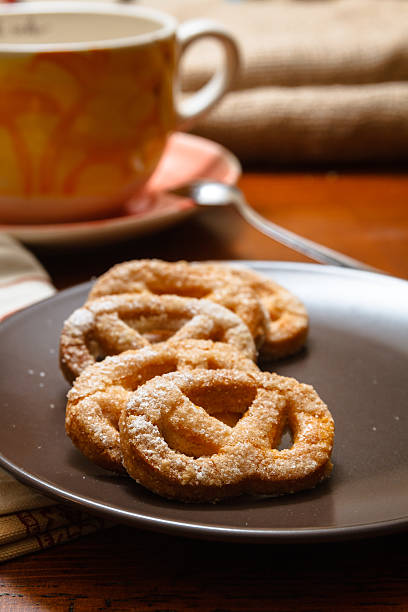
29, 521
320, 81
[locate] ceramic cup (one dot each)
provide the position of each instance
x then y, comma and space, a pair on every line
89, 93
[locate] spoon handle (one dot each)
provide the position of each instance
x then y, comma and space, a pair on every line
312, 249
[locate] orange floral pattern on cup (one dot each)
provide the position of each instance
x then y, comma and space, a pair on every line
84, 125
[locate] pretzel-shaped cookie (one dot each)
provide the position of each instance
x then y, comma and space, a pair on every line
116, 323
287, 322
173, 443
181, 278
101, 392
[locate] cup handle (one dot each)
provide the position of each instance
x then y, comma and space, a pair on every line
196, 105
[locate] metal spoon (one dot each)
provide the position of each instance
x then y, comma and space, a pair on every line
213, 193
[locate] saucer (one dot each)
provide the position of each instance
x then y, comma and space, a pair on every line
186, 157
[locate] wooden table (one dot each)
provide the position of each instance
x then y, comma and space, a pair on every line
362, 214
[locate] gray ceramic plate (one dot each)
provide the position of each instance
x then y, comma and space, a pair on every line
357, 359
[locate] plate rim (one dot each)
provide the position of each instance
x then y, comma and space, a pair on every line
207, 531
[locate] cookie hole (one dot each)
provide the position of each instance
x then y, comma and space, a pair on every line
157, 328
96, 350
218, 335
226, 403
286, 439
158, 335
275, 312
229, 418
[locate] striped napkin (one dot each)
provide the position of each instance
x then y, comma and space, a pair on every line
29, 521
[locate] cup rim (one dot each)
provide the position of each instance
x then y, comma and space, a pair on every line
168, 25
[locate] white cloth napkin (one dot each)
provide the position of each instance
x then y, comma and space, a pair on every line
23, 280
29, 521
